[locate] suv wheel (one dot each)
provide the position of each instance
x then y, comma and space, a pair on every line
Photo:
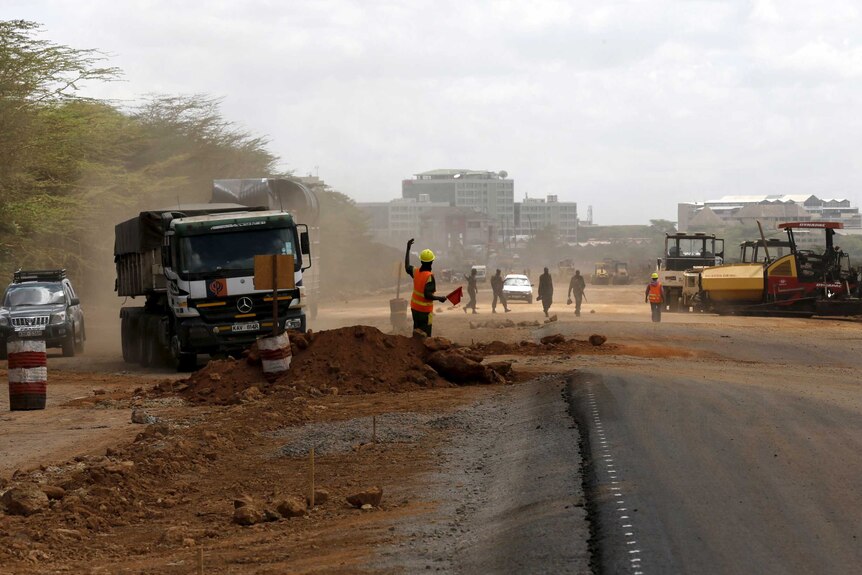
69, 345
79, 345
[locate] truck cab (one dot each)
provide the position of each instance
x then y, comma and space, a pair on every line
678, 268
195, 269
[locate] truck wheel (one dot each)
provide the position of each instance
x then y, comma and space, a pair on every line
148, 344
69, 345
530, 299
3, 354
187, 362
128, 341
183, 361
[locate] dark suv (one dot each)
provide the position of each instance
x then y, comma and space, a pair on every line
41, 304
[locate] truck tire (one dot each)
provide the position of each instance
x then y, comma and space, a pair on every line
130, 338
187, 362
147, 346
183, 361
3, 354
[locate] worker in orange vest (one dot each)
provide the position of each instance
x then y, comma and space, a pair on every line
653, 296
423, 298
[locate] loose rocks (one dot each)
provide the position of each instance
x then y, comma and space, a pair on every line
24, 500
321, 496
553, 339
292, 507
371, 496
597, 340
247, 515
142, 417
53, 492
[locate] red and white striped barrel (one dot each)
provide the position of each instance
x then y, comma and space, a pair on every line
275, 355
28, 374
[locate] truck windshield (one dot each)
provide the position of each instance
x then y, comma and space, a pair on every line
232, 252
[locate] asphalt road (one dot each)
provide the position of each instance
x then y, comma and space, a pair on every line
723, 468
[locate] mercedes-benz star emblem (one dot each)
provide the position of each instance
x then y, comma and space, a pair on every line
244, 304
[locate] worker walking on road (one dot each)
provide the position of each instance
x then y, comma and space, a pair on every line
497, 288
653, 296
423, 298
546, 291
577, 285
472, 290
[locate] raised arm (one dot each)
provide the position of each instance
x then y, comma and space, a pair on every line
407, 267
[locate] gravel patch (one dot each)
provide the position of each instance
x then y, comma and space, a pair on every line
343, 436
507, 495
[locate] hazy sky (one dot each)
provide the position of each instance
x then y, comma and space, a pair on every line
629, 107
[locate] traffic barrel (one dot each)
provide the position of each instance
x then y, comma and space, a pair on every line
275, 355
28, 374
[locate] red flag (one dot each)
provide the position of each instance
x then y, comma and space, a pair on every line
455, 296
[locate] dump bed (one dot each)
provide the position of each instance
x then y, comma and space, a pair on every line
138, 246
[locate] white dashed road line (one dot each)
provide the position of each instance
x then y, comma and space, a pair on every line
627, 529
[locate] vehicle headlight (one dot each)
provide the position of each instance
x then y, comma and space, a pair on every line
4, 320
59, 317
295, 323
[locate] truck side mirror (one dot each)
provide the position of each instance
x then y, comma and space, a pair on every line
304, 244
75, 301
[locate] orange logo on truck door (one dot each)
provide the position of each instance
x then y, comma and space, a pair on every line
217, 288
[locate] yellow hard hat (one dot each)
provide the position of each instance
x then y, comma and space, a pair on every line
426, 256
654, 276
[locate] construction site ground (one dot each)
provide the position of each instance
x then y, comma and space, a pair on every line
457, 464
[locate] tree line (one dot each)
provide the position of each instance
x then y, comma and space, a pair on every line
71, 167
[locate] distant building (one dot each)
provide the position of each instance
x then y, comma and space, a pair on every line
768, 209
490, 193
394, 222
534, 214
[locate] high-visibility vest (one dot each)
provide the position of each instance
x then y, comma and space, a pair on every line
655, 295
418, 301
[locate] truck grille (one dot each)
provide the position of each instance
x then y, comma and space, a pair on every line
227, 313
30, 321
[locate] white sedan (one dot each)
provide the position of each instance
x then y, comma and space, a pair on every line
518, 286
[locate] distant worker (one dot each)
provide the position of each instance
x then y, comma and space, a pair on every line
422, 301
653, 296
546, 291
497, 289
472, 290
576, 289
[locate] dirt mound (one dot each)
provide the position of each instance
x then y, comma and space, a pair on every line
360, 359
221, 382
348, 360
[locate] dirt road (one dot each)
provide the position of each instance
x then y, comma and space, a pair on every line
476, 479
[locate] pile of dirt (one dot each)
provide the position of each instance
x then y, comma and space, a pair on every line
221, 382
348, 360
360, 359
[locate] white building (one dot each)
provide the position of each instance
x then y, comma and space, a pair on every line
534, 214
490, 193
391, 222
774, 208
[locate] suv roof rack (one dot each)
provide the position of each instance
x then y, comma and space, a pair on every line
21, 276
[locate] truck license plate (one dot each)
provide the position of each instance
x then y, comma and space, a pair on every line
250, 326
29, 332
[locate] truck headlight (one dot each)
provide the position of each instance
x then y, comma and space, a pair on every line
4, 320
58, 318
295, 323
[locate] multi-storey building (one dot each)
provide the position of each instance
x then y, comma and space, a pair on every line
391, 222
534, 214
490, 193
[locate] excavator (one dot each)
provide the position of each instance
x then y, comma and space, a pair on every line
787, 281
